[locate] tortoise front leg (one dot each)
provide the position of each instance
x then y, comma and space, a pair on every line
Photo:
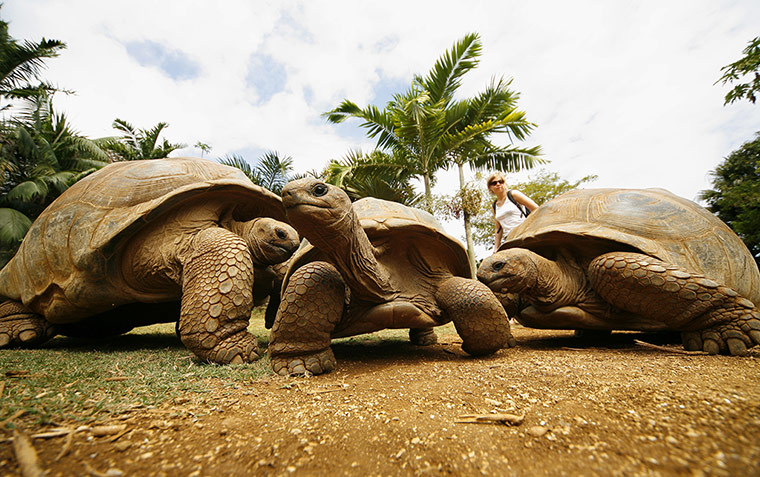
21, 326
422, 336
217, 298
712, 317
478, 316
311, 307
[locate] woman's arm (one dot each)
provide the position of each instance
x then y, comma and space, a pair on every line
524, 200
497, 240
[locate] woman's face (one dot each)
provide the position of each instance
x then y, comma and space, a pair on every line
496, 184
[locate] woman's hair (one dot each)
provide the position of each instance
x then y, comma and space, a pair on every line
493, 176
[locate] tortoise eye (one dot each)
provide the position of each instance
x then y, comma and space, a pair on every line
319, 190
281, 234
497, 266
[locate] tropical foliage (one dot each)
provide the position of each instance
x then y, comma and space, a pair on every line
426, 129
372, 175
748, 65
41, 156
21, 64
271, 171
138, 144
735, 196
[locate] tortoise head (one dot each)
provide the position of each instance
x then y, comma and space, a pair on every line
320, 212
509, 271
324, 215
270, 240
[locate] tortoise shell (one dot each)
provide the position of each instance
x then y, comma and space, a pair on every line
655, 222
384, 221
72, 247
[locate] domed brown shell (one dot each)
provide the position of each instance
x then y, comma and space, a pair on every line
384, 221
653, 221
71, 247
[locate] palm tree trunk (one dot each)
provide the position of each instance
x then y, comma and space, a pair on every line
428, 193
467, 225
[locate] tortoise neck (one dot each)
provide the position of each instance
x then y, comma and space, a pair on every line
555, 281
353, 255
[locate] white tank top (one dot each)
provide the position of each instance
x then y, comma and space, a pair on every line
508, 216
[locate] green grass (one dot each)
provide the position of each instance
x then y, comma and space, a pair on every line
69, 378
85, 380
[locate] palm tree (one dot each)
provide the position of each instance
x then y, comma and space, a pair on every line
42, 156
21, 63
138, 144
428, 130
372, 175
271, 171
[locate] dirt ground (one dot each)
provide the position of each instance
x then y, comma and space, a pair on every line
390, 408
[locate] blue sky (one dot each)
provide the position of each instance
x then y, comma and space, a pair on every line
174, 63
623, 90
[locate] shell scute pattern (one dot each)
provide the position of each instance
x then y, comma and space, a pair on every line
652, 221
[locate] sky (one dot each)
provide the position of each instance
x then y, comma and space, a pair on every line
621, 89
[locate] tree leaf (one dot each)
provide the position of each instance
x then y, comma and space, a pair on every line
13, 226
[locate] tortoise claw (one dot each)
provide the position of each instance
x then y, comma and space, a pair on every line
20, 326
237, 349
692, 341
315, 363
734, 337
711, 346
736, 347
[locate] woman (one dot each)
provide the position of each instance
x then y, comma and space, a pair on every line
506, 213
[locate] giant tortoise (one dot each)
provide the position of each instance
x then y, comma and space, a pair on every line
626, 259
372, 266
144, 242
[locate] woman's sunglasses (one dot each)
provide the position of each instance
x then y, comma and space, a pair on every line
493, 183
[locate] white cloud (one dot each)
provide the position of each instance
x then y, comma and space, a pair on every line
621, 90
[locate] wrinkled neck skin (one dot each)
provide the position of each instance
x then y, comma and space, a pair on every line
556, 283
350, 250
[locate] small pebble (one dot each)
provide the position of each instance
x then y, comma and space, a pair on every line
537, 431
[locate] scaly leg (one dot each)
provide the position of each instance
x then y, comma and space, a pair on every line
311, 307
217, 298
712, 317
422, 336
21, 326
478, 316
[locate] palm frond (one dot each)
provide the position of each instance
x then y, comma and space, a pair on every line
346, 109
22, 63
92, 155
273, 170
445, 76
130, 136
149, 141
14, 226
376, 174
507, 159
60, 180
28, 191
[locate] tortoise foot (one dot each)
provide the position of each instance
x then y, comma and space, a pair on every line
734, 337
423, 336
19, 326
239, 348
478, 316
313, 363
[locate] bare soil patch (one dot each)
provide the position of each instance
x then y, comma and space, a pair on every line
609, 407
